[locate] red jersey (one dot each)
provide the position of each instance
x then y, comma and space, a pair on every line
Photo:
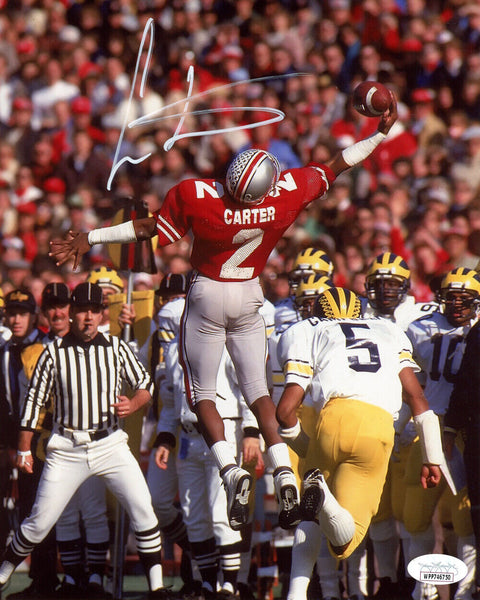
232, 241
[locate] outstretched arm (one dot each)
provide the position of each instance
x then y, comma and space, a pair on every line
77, 243
427, 426
355, 154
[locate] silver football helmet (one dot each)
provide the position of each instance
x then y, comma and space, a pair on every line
251, 176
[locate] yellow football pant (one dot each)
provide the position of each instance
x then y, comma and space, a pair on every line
352, 447
420, 503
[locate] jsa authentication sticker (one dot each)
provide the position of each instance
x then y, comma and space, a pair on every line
439, 569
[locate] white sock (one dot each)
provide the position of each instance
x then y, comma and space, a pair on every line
279, 456
327, 568
386, 544
306, 546
6, 570
386, 553
466, 552
336, 522
223, 454
357, 571
155, 577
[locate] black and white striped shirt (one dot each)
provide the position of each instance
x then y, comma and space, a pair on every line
84, 379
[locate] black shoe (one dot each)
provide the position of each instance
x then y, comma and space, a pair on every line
68, 590
238, 484
206, 594
313, 495
287, 497
225, 595
95, 590
161, 594
33, 592
245, 591
387, 589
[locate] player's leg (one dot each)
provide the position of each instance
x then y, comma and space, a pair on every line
462, 526
352, 449
202, 342
195, 507
418, 514
93, 507
163, 486
247, 345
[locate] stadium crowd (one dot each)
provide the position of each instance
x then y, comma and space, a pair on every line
70, 82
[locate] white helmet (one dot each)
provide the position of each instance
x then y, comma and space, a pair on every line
251, 176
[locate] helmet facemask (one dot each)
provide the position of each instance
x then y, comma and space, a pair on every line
385, 292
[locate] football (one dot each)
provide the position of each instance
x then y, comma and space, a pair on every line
371, 98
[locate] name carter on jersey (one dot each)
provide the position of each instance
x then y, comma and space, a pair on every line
249, 216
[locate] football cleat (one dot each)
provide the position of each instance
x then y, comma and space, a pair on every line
287, 497
313, 495
238, 485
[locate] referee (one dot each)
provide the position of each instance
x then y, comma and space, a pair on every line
84, 372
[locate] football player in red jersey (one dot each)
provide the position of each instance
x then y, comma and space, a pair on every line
236, 224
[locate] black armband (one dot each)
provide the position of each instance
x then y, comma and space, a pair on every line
252, 432
165, 437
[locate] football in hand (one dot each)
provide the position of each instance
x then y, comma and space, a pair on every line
371, 98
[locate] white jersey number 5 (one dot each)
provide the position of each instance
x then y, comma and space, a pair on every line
249, 239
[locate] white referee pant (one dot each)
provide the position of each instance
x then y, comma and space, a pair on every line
69, 464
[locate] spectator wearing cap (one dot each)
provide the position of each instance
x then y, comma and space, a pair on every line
55, 197
426, 126
17, 361
18, 131
81, 119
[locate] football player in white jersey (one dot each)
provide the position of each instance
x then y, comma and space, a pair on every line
363, 367
438, 342
307, 262
387, 285
202, 497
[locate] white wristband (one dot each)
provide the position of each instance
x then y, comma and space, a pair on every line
359, 151
428, 429
119, 234
296, 438
23, 455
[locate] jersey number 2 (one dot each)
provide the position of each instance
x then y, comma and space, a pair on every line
250, 240
354, 344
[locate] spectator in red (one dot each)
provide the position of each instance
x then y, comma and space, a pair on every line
81, 119
27, 214
42, 164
